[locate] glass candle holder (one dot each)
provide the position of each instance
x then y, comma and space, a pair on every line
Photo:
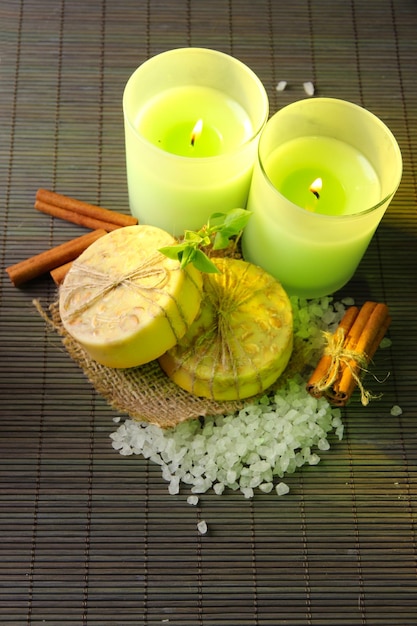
193, 117
326, 172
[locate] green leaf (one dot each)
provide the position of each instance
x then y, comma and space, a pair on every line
172, 252
236, 220
191, 237
217, 233
203, 263
234, 223
220, 241
215, 220
187, 256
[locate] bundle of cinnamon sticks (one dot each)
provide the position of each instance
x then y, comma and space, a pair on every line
348, 352
58, 260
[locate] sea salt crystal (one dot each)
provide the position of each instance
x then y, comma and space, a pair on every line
166, 474
202, 527
323, 444
386, 342
396, 410
218, 488
282, 489
174, 486
193, 500
340, 307
281, 85
337, 424
255, 481
266, 487
247, 492
309, 88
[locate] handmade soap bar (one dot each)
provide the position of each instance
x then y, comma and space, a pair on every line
124, 301
240, 341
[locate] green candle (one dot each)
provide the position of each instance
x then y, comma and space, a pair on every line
348, 180
193, 119
312, 239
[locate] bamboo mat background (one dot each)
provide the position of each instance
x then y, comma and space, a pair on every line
89, 537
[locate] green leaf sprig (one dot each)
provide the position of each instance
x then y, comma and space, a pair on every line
218, 231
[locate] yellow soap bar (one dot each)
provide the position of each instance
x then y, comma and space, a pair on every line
241, 339
125, 302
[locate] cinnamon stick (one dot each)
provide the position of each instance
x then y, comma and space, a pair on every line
75, 218
84, 208
324, 369
58, 274
32, 267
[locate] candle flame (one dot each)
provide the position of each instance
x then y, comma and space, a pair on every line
316, 187
196, 132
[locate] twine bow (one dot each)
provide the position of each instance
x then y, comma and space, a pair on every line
341, 357
104, 284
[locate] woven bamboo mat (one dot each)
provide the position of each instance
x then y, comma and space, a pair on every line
91, 537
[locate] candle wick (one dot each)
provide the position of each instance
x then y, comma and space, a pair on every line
315, 188
196, 132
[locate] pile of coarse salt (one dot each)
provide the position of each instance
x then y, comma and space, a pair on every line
257, 446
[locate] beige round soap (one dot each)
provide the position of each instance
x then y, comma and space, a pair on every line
124, 301
241, 339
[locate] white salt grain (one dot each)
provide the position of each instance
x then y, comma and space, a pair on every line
281, 85
193, 500
323, 444
266, 487
282, 489
247, 492
202, 527
386, 342
396, 410
174, 485
218, 488
309, 88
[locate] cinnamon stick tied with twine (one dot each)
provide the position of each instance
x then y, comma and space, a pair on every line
348, 352
82, 213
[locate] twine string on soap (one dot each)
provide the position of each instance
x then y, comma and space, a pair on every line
218, 343
104, 284
342, 356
